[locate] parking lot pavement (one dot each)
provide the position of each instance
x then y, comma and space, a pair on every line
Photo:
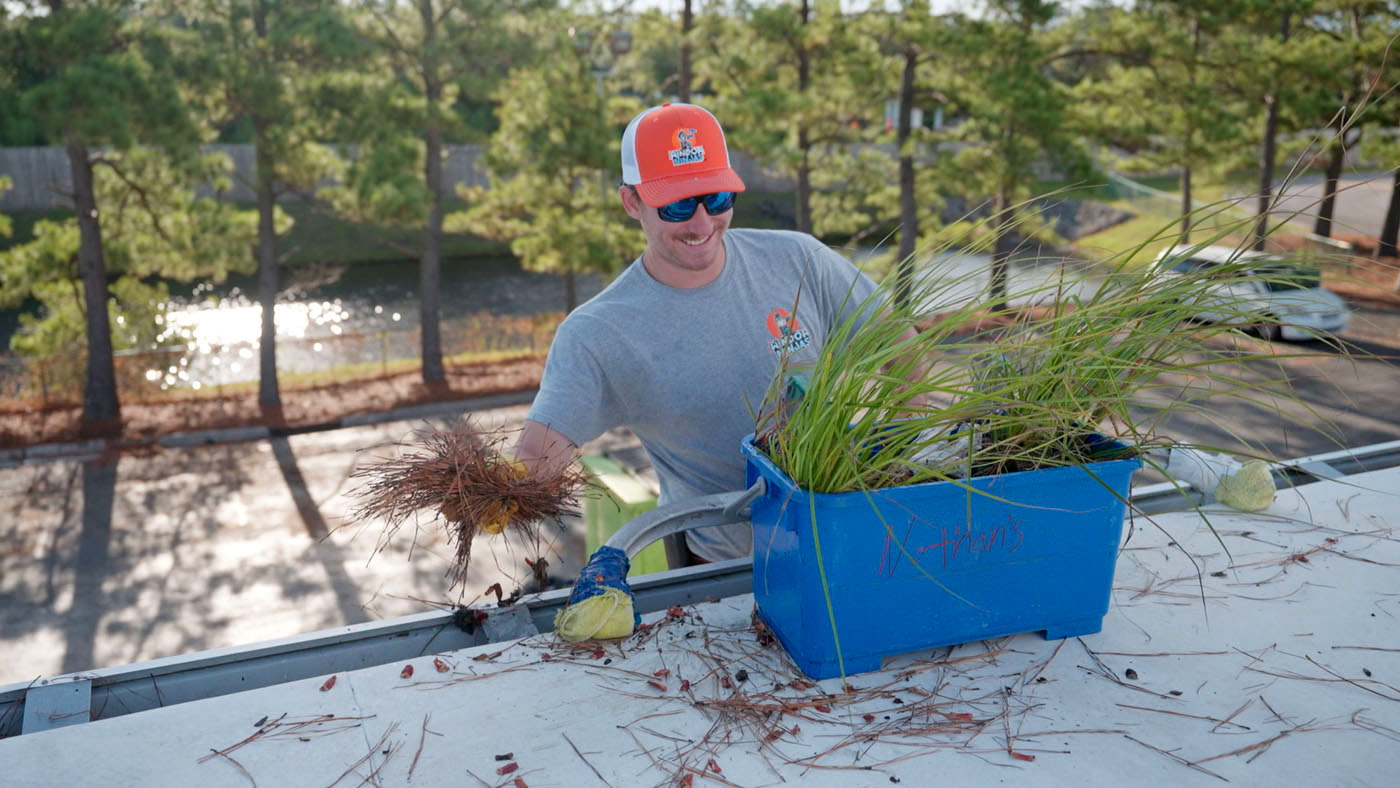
203, 546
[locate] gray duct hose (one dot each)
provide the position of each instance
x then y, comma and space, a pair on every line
728, 508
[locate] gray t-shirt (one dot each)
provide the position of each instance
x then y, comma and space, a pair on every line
686, 369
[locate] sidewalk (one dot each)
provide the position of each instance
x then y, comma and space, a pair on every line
227, 537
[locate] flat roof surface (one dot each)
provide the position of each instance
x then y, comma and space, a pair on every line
1275, 664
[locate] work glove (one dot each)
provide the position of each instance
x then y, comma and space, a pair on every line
1248, 486
499, 512
600, 606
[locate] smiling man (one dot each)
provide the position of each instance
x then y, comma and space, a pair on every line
682, 346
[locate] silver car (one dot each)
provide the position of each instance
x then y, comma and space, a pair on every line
1284, 299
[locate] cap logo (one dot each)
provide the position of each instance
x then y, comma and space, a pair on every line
685, 151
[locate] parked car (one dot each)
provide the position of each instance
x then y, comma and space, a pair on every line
1281, 298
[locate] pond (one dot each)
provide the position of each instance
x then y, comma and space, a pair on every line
368, 313
335, 314
324, 301
347, 314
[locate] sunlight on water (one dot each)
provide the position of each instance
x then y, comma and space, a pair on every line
236, 321
224, 335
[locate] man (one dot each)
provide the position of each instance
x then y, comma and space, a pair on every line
683, 345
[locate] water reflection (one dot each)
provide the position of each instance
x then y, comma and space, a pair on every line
229, 322
365, 313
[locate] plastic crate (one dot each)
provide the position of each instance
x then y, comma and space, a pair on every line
928, 565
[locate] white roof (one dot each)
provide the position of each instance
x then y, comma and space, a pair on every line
1275, 664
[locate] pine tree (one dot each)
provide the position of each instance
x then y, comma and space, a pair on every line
1014, 114
554, 173
273, 65
430, 54
98, 78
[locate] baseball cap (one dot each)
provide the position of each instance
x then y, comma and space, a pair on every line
676, 151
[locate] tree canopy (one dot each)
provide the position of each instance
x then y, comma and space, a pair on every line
353, 107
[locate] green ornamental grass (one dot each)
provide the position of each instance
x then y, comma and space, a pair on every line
955, 384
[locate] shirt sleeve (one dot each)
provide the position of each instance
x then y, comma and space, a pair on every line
844, 290
574, 399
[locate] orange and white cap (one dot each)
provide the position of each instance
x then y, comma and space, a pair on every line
676, 151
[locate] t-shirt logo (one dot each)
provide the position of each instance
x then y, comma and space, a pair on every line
788, 337
685, 150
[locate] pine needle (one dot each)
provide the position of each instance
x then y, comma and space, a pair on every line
465, 477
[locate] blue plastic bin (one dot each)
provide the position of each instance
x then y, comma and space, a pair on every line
930, 565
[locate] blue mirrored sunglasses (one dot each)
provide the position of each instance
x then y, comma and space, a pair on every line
682, 210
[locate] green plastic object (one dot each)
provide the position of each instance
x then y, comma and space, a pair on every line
622, 497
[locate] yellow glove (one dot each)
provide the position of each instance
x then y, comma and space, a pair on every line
498, 513
1249, 489
497, 516
607, 615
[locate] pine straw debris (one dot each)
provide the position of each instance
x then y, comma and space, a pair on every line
465, 476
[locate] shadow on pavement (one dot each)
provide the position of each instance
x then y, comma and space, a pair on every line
94, 542
346, 594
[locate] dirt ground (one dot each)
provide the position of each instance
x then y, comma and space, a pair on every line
144, 422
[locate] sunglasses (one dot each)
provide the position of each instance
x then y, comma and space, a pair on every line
682, 210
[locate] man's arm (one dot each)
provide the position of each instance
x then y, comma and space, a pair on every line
918, 370
543, 450
854, 281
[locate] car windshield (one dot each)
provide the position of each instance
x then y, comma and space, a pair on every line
1290, 277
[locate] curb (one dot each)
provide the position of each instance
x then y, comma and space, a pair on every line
92, 449
432, 409
210, 437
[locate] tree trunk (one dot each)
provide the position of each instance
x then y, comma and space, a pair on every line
1389, 230
908, 208
803, 210
687, 23
1185, 205
266, 176
1337, 149
1336, 155
1189, 151
1267, 155
804, 143
101, 407
268, 394
430, 266
1001, 253
1266, 172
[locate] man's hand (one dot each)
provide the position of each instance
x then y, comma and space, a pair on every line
499, 512
497, 516
544, 450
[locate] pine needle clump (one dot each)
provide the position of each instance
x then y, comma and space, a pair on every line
463, 475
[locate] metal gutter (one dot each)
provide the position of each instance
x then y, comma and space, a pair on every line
49, 702
46, 703
1168, 497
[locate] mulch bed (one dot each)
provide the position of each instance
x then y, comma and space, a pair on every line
145, 422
